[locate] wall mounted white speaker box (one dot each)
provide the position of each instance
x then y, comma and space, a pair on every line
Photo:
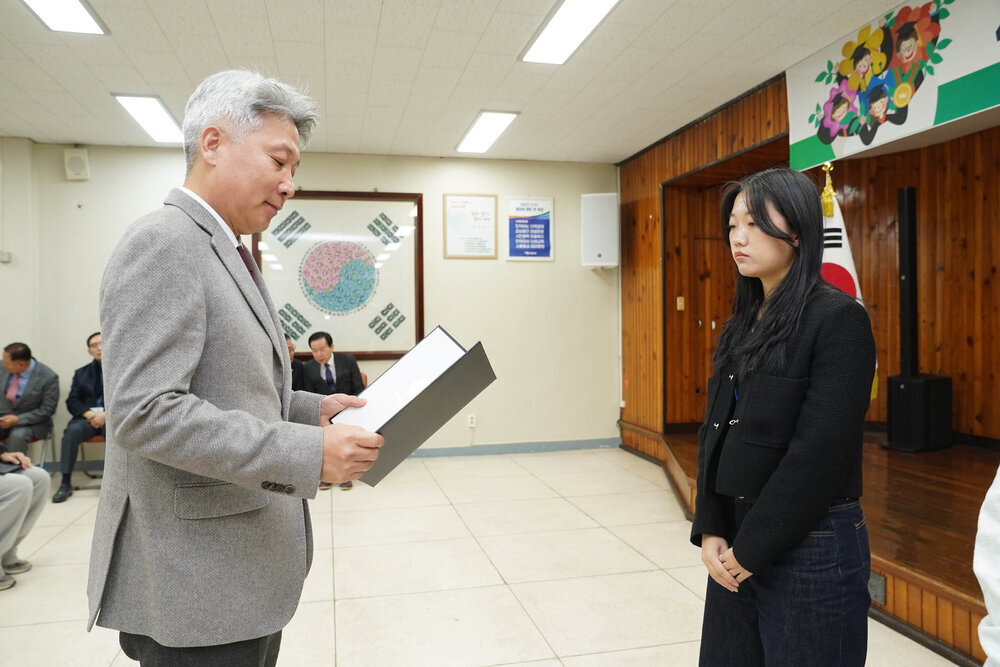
76, 163
599, 229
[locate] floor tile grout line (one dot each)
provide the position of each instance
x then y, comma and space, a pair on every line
506, 584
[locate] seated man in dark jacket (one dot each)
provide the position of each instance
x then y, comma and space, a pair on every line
329, 373
86, 403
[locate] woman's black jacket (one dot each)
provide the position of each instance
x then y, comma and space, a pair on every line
794, 438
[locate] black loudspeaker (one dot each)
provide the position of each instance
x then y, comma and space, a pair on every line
919, 413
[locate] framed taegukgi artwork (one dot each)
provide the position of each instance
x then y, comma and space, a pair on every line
351, 264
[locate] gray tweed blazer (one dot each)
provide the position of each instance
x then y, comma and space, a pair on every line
203, 534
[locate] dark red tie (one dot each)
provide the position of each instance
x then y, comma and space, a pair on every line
245, 256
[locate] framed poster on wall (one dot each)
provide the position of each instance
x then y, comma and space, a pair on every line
529, 229
470, 226
350, 263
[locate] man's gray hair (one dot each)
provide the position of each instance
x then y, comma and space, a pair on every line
242, 98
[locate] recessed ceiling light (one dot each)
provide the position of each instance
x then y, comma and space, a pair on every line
487, 128
154, 118
66, 16
567, 28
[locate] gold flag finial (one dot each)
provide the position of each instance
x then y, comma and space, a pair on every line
826, 197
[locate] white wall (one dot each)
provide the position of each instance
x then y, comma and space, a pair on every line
550, 328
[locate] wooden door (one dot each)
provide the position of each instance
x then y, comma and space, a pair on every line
715, 286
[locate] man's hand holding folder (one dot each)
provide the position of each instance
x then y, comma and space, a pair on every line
348, 451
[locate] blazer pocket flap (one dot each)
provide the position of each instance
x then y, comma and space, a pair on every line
769, 418
210, 501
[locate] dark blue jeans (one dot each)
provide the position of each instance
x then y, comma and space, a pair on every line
810, 607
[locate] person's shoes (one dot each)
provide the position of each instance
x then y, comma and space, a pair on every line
64, 492
347, 485
17, 567
325, 486
6, 582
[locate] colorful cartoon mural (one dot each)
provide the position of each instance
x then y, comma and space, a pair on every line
880, 73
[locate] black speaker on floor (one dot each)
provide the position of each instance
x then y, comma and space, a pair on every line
919, 418
919, 413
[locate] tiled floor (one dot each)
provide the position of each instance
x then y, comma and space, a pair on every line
573, 558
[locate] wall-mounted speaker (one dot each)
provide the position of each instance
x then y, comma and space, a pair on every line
599, 237
76, 164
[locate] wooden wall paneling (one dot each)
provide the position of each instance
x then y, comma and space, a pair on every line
646, 289
928, 613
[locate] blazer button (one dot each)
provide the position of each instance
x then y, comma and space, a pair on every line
289, 489
266, 486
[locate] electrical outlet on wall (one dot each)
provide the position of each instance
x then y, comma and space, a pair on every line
471, 420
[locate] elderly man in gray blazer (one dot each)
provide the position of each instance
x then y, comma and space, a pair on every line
203, 538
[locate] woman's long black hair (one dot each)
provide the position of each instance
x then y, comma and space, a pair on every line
746, 343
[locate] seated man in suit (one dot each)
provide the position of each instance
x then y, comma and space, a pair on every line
23, 489
30, 396
343, 378
298, 373
86, 403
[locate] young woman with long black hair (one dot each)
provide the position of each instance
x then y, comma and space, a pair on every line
777, 514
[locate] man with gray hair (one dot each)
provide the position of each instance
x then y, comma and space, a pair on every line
203, 538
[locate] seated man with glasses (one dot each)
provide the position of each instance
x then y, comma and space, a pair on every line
86, 403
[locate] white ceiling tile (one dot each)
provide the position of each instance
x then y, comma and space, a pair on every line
395, 64
225, 8
407, 26
486, 67
245, 38
352, 11
465, 15
183, 17
340, 124
208, 59
122, 80
344, 103
435, 82
159, 68
350, 44
534, 8
300, 59
507, 34
445, 48
301, 21
388, 93
639, 12
424, 108
136, 28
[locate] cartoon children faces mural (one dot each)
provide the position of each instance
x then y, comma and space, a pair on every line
880, 73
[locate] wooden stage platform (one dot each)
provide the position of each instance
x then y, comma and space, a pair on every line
922, 510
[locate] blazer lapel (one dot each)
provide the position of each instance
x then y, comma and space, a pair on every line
252, 287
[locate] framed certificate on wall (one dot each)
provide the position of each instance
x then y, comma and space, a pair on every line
470, 226
351, 264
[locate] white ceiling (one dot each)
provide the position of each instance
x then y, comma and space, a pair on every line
408, 77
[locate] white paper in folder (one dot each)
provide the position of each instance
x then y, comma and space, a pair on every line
402, 381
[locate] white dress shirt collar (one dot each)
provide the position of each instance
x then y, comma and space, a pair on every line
218, 218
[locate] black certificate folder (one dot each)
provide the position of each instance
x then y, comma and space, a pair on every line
417, 395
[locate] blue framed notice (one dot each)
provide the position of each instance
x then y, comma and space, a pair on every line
529, 225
